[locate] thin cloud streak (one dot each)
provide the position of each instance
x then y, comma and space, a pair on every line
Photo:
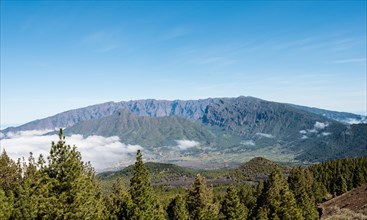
346, 61
176, 33
102, 41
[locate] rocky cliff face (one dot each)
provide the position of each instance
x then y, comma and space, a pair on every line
191, 109
250, 116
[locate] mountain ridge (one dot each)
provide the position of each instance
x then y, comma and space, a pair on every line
192, 109
214, 130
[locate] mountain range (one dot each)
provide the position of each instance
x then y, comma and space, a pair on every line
218, 131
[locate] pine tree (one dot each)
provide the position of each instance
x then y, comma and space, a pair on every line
141, 192
358, 178
259, 189
10, 174
232, 208
277, 200
200, 200
30, 194
5, 206
340, 185
176, 209
118, 202
300, 182
71, 185
247, 197
262, 214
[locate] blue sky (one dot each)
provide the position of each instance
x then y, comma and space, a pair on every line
57, 56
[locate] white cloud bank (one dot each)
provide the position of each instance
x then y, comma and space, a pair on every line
186, 144
102, 152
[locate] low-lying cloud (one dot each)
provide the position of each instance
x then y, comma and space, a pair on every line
186, 144
320, 125
265, 135
248, 143
317, 128
102, 152
356, 121
304, 137
26, 133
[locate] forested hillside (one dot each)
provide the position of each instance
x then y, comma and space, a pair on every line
62, 186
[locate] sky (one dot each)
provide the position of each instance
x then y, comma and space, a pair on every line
62, 55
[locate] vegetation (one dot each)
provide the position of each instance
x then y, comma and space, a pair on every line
232, 208
65, 187
200, 200
176, 209
339, 176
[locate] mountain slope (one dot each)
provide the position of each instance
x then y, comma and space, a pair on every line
354, 200
152, 132
250, 116
189, 109
222, 130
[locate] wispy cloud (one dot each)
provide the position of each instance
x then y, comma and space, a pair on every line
108, 48
330, 43
95, 37
102, 152
101, 41
186, 144
319, 125
222, 61
176, 33
248, 143
265, 135
326, 133
346, 61
293, 44
304, 137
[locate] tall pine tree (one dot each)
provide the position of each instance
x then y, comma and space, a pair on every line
247, 197
10, 174
72, 187
31, 193
232, 208
5, 205
200, 200
176, 209
276, 200
118, 202
300, 182
141, 192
